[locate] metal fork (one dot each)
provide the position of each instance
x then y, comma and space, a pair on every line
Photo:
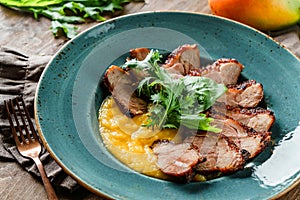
26, 138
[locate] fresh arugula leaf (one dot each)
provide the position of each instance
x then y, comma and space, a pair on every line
30, 3
93, 12
68, 29
57, 16
203, 90
175, 102
78, 8
198, 122
64, 13
72, 6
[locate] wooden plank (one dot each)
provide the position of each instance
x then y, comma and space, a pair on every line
22, 31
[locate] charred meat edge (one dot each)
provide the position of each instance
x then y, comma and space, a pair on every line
226, 71
183, 59
220, 152
247, 95
123, 90
259, 119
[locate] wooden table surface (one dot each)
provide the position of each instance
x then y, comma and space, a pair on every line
21, 31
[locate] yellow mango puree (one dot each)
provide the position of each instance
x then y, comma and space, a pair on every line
129, 141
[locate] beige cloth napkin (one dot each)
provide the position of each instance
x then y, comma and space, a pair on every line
19, 74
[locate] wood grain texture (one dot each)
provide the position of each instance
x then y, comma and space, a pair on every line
21, 31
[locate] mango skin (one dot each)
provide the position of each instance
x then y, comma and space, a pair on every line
265, 15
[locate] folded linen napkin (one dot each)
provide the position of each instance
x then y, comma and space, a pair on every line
19, 75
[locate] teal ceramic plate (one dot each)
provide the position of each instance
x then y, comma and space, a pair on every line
69, 95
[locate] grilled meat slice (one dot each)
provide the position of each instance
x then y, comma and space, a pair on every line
123, 90
221, 153
112, 76
176, 159
207, 145
183, 59
226, 71
259, 119
244, 137
139, 53
246, 95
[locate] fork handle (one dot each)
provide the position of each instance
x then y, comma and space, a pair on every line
48, 187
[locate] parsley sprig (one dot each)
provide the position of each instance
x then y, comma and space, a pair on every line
175, 102
64, 13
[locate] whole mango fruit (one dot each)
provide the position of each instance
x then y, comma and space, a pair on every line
265, 15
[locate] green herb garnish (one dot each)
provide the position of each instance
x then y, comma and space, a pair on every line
175, 102
64, 14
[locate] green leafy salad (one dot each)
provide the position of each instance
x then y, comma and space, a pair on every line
175, 102
64, 14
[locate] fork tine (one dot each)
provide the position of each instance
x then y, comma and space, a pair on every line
12, 126
16, 119
21, 115
29, 120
